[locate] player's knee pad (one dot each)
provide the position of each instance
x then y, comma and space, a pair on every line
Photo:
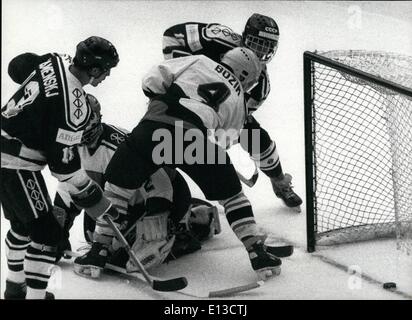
45, 230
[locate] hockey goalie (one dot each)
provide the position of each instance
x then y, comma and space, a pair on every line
160, 221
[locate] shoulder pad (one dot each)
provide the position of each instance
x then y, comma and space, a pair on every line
21, 66
222, 34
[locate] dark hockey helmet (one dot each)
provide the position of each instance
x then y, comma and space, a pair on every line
261, 34
96, 52
245, 65
94, 128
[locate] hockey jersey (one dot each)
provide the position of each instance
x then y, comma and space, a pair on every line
45, 119
198, 86
95, 161
212, 40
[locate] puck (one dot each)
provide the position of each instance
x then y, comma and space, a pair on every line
389, 285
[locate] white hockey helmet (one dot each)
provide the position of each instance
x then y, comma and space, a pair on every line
245, 66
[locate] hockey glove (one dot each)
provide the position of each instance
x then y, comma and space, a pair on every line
90, 197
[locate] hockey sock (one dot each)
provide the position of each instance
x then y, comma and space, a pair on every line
103, 233
16, 246
239, 214
38, 263
268, 161
254, 139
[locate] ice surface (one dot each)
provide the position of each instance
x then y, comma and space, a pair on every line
135, 28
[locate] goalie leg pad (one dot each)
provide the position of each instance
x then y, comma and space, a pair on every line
152, 228
150, 253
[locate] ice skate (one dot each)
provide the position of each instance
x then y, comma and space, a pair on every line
15, 291
92, 263
18, 291
265, 264
284, 190
118, 260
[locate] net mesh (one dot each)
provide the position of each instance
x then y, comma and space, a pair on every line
363, 150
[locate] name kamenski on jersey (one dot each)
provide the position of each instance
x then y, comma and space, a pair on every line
45, 118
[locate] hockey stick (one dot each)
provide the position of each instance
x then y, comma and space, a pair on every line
210, 294
159, 285
234, 290
252, 180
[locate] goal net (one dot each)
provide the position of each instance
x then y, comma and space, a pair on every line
358, 133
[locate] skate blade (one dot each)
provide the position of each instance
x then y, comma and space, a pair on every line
265, 274
296, 209
90, 272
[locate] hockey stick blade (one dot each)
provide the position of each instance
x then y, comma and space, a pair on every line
186, 291
251, 181
234, 290
170, 285
280, 251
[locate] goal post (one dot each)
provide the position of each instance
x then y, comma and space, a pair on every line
358, 147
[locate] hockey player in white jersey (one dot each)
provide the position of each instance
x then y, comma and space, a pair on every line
261, 35
191, 99
98, 144
41, 125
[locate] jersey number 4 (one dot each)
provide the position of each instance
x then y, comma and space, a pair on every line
214, 93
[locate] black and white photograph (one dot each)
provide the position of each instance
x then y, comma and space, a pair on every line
206, 150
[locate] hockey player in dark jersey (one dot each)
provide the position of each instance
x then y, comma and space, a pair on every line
261, 35
41, 125
194, 101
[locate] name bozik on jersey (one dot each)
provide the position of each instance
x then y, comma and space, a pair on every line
45, 119
203, 87
212, 40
